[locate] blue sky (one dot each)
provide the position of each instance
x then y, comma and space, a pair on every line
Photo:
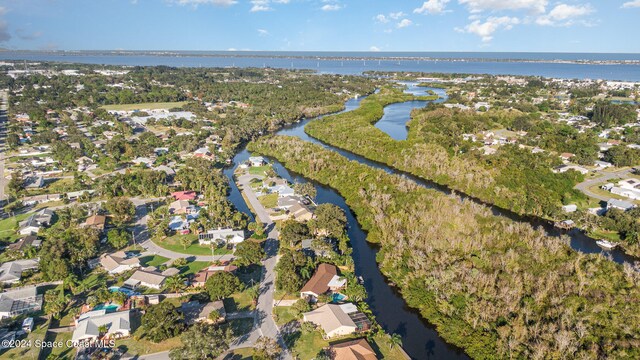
323, 25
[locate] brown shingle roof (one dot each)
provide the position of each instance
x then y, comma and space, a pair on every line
319, 282
353, 350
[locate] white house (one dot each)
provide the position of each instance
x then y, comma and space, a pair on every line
626, 192
11, 272
334, 319
118, 325
221, 236
257, 161
20, 301
119, 262
619, 204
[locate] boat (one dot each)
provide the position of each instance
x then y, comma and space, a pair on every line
606, 244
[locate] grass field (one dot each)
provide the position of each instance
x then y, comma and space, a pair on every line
283, 314
173, 243
144, 106
193, 267
63, 352
305, 346
382, 345
7, 228
240, 354
258, 170
155, 260
29, 352
269, 201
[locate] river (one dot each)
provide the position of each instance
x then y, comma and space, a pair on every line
420, 340
352, 64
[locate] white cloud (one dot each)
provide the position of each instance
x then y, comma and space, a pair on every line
564, 15
404, 23
535, 6
3, 10
281, 1
492, 24
431, 7
396, 15
331, 7
206, 2
631, 4
381, 19
374, 48
263, 32
260, 5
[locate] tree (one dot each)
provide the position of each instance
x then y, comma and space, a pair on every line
122, 210
174, 283
305, 189
203, 341
293, 232
329, 220
16, 184
248, 252
185, 241
162, 321
301, 306
395, 340
55, 302
222, 284
266, 349
118, 238
179, 262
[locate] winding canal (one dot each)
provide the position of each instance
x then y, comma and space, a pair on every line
420, 339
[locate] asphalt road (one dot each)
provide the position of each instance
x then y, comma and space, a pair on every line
585, 185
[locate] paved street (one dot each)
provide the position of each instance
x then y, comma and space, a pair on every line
141, 235
585, 185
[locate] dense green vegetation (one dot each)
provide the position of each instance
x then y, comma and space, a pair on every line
497, 288
513, 178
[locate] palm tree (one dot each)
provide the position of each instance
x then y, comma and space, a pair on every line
102, 329
395, 340
185, 241
254, 293
174, 283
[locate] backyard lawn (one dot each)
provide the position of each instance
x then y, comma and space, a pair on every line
239, 354
173, 243
144, 106
138, 344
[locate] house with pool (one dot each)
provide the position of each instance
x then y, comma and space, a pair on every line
324, 280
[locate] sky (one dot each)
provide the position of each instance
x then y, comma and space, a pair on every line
322, 25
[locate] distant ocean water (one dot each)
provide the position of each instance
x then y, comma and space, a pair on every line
558, 65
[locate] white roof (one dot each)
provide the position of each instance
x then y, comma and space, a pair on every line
88, 327
337, 281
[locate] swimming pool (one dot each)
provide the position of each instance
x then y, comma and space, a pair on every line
109, 308
337, 297
123, 290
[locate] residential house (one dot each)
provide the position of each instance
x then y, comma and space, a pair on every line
352, 350
338, 320
626, 192
221, 236
97, 222
602, 164
34, 182
282, 190
200, 278
325, 279
184, 195
11, 271
569, 208
619, 204
117, 324
566, 156
565, 168
204, 153
35, 222
181, 207
40, 199
20, 301
24, 243
148, 277
194, 312
119, 262
257, 161
300, 212
179, 224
